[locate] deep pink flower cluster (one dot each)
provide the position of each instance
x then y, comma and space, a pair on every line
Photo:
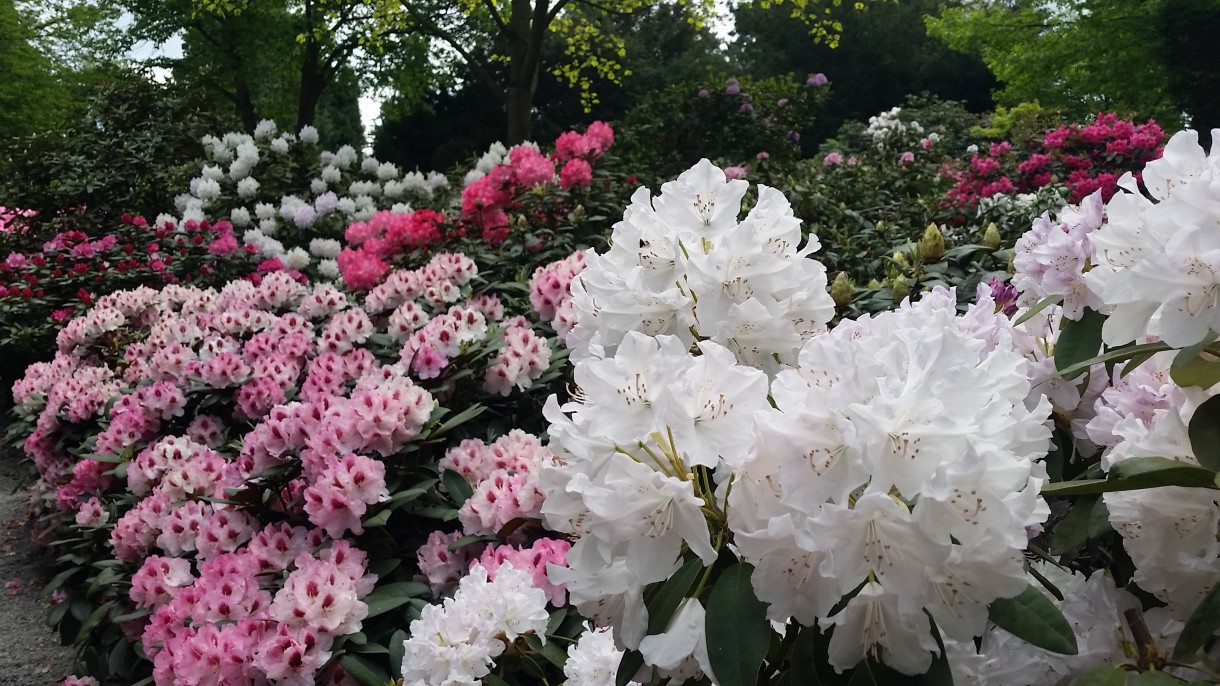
384, 236
551, 295
487, 200
1085, 158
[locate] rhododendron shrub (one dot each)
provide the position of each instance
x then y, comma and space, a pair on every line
1083, 157
243, 476
40, 290
862, 498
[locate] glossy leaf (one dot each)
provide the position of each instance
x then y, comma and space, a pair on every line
738, 633
1073, 529
669, 595
1078, 340
1204, 431
458, 487
1033, 618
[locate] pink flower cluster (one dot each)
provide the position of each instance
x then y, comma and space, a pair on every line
487, 200
551, 295
522, 358
385, 235
1086, 158
505, 501
223, 626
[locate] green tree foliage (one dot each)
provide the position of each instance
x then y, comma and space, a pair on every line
134, 145
1076, 56
1188, 30
31, 96
662, 45
297, 62
884, 54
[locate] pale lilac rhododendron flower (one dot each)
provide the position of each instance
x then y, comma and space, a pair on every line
1052, 257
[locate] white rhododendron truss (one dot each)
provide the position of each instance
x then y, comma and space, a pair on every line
890, 461
682, 264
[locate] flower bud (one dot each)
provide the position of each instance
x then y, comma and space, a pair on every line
578, 214
842, 289
898, 265
873, 285
932, 245
901, 288
991, 237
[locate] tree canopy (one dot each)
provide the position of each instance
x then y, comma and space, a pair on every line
1085, 56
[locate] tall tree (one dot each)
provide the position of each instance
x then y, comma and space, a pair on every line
272, 58
1077, 56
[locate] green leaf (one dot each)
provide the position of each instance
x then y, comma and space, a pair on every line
1201, 626
1195, 366
1042, 305
1105, 675
363, 670
458, 419
1204, 432
1138, 473
390, 596
630, 663
1161, 471
1033, 618
398, 648
669, 595
1123, 353
1073, 529
469, 539
378, 519
738, 634
99, 613
1078, 340
551, 652
458, 487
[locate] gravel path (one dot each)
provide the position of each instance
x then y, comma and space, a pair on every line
30, 653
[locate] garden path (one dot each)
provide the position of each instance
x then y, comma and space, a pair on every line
30, 653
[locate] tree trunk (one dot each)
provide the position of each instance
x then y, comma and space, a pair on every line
244, 103
527, 25
313, 81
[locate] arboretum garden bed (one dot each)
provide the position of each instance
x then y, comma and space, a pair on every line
907, 412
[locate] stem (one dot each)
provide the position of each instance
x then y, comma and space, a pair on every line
1144, 644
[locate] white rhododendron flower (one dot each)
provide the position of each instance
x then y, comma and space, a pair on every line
682, 264
457, 642
1157, 262
593, 660
900, 453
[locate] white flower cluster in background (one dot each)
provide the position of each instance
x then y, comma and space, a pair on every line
887, 128
242, 183
895, 454
682, 264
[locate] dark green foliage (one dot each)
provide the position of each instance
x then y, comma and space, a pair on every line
884, 55
135, 146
